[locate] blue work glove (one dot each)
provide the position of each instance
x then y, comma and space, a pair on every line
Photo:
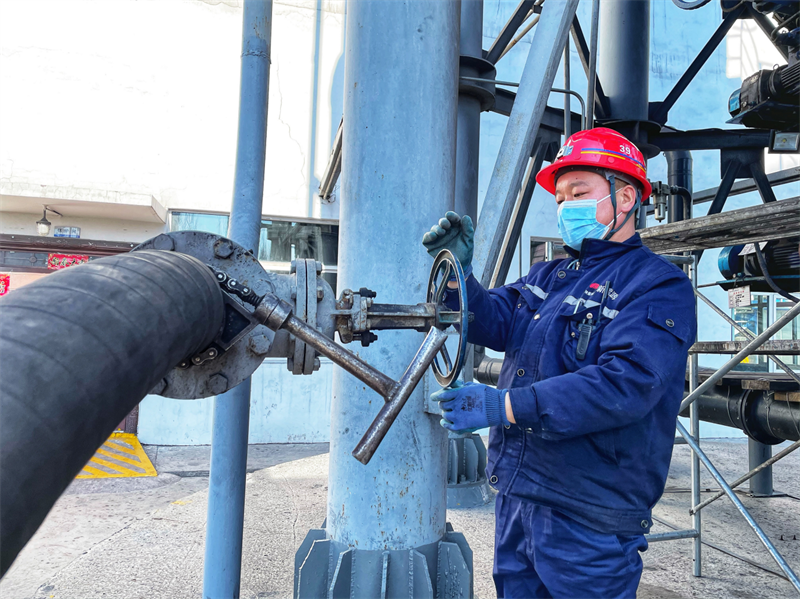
471, 406
453, 233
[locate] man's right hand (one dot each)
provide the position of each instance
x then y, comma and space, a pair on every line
454, 233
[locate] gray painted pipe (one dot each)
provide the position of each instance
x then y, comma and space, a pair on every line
80, 349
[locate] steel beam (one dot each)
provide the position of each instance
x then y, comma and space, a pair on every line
789, 175
768, 27
710, 139
509, 29
659, 111
223, 550
523, 125
520, 212
601, 107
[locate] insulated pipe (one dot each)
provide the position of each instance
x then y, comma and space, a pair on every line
754, 412
398, 178
78, 350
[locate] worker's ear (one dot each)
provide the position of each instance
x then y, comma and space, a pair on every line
626, 198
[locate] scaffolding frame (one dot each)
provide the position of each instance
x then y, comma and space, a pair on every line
692, 436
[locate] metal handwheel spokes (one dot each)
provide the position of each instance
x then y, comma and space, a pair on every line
446, 268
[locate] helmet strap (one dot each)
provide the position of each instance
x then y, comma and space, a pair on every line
614, 228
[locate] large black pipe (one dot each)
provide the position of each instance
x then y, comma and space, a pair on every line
754, 412
79, 349
679, 173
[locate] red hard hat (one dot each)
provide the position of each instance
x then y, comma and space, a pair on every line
598, 148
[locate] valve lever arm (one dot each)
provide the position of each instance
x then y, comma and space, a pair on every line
277, 314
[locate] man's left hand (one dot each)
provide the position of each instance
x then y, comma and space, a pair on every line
471, 406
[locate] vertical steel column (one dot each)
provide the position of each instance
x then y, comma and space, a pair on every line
398, 177
223, 551
694, 429
679, 172
624, 60
469, 114
758, 453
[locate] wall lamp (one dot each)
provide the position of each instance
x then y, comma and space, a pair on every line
43, 225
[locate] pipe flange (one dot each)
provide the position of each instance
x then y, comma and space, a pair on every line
747, 418
307, 295
205, 379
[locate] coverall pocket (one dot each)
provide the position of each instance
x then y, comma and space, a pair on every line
605, 444
575, 324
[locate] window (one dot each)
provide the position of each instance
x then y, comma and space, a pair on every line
281, 240
192, 221
764, 309
547, 248
791, 332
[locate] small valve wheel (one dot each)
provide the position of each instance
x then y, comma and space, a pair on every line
447, 269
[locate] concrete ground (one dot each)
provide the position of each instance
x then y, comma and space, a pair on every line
144, 537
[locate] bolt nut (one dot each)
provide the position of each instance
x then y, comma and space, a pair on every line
218, 383
259, 345
316, 364
320, 294
164, 242
293, 267
318, 266
223, 248
212, 353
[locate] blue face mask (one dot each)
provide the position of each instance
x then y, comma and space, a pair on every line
577, 220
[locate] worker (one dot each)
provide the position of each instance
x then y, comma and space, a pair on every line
583, 416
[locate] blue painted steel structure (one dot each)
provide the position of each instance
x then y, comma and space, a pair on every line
223, 552
397, 178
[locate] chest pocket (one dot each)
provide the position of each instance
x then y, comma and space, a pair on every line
528, 303
581, 337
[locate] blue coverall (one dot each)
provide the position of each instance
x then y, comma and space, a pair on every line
588, 456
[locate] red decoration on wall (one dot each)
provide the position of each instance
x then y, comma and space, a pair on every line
5, 284
59, 261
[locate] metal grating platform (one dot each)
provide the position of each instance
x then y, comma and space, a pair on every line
765, 222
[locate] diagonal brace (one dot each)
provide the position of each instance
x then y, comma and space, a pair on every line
740, 506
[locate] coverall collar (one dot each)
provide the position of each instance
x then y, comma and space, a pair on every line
593, 250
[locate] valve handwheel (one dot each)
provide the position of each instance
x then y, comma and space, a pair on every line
447, 268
